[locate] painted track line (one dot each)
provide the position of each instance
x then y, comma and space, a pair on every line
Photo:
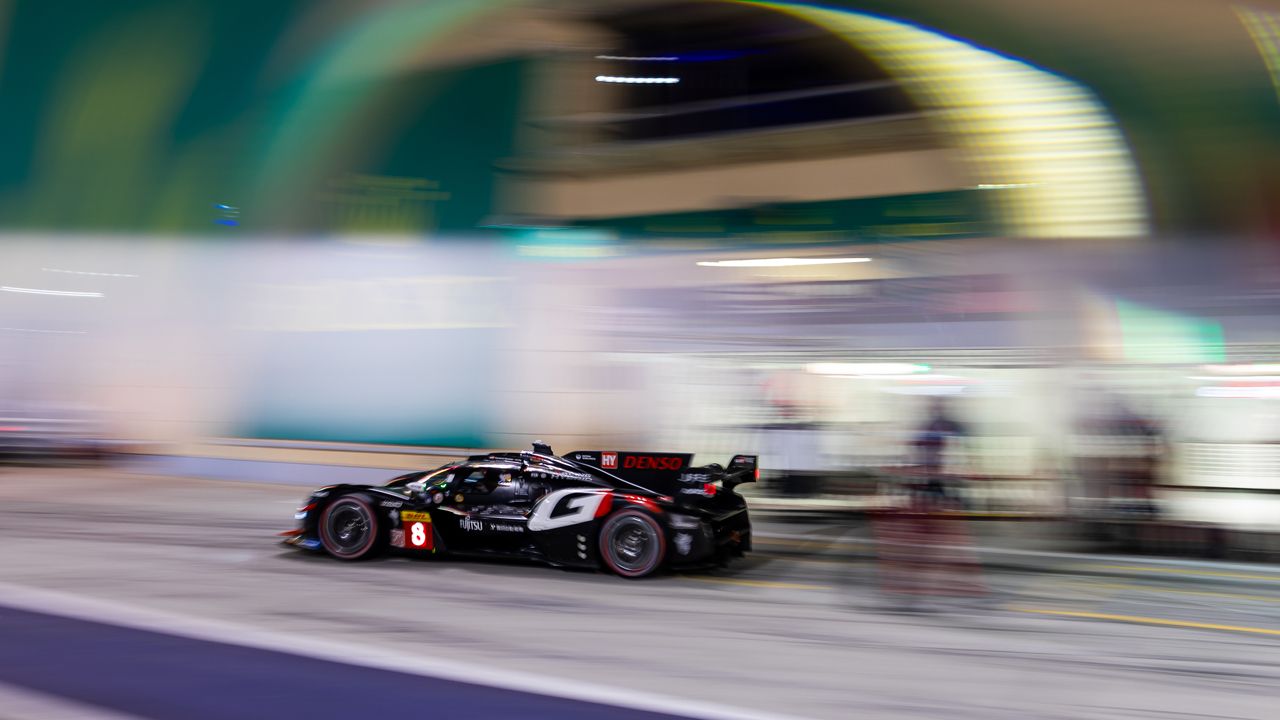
1194, 572
1161, 590
1143, 620
52, 602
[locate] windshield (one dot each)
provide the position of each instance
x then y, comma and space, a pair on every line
416, 481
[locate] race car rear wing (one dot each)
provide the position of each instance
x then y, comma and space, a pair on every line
664, 472
742, 469
635, 466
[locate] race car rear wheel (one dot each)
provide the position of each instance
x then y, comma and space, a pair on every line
632, 543
349, 528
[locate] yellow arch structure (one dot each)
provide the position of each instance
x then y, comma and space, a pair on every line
1052, 156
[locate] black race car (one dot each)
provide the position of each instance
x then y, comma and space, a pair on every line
632, 512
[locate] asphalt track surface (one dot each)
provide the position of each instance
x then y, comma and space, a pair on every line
137, 596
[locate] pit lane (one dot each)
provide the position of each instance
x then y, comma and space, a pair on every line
798, 629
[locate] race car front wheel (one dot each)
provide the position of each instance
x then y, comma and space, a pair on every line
349, 528
632, 543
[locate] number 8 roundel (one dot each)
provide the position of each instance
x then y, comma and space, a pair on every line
417, 531
418, 536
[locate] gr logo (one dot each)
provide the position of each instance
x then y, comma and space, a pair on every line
563, 508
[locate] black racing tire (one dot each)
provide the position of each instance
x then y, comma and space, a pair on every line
632, 543
349, 528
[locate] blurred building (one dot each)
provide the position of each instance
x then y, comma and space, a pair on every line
713, 226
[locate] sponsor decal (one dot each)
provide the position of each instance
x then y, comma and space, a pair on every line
506, 527
397, 538
414, 516
684, 543
458, 498
470, 524
705, 491
652, 462
683, 522
609, 460
437, 498
391, 503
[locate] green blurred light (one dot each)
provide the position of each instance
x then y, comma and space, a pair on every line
1156, 336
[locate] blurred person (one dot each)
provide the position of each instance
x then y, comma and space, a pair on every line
922, 548
1127, 471
1136, 469
931, 443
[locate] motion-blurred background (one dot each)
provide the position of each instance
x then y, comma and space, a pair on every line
242, 232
